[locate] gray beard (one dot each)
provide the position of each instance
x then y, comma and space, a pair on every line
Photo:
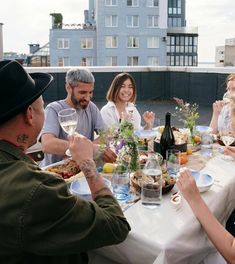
76, 103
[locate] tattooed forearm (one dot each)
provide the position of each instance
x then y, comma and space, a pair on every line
88, 167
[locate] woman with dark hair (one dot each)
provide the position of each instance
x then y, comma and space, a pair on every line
121, 98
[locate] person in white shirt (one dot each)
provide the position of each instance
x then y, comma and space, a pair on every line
221, 116
121, 98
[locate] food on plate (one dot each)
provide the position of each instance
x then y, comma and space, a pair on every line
68, 169
180, 137
167, 181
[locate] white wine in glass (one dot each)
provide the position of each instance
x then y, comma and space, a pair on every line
68, 120
227, 139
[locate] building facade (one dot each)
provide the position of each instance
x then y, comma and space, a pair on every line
126, 33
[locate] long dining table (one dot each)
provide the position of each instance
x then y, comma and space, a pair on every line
171, 234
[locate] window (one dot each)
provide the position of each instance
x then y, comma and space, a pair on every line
87, 43
152, 21
111, 61
111, 21
110, 2
132, 61
111, 42
152, 42
133, 21
174, 22
152, 3
132, 2
132, 42
63, 43
63, 61
174, 7
86, 61
153, 61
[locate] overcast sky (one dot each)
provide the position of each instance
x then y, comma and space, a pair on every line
29, 21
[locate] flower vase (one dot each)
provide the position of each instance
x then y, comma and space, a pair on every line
191, 136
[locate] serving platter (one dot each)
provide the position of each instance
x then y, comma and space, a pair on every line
67, 169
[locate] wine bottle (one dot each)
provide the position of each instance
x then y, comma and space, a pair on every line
167, 139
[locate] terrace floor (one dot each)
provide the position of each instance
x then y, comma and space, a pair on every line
161, 107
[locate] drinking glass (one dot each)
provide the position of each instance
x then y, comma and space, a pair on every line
121, 183
227, 137
68, 120
173, 161
130, 112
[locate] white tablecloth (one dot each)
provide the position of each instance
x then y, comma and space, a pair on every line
173, 235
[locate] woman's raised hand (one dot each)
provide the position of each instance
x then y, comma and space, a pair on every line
149, 118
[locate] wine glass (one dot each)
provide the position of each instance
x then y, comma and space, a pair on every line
227, 137
68, 120
130, 111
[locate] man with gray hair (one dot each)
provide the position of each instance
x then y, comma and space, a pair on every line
79, 87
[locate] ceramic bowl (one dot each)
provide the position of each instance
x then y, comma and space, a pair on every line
204, 181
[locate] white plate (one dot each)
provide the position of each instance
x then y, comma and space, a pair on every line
146, 133
204, 181
81, 187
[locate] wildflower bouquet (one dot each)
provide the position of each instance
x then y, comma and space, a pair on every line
186, 113
123, 142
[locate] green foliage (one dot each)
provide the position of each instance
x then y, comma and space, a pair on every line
186, 113
58, 20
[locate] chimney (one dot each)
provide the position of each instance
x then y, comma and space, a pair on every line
33, 48
1, 42
86, 16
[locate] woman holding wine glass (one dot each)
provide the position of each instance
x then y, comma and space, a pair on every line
121, 98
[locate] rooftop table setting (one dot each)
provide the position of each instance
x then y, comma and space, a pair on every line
170, 233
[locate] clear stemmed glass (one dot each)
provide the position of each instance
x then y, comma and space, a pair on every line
227, 137
130, 111
68, 120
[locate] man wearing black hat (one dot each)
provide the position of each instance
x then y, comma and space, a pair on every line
41, 222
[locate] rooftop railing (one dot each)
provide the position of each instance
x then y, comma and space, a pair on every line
193, 84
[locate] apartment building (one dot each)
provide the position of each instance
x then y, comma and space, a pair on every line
126, 33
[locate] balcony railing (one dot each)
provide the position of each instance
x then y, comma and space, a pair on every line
193, 84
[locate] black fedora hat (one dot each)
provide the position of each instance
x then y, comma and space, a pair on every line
18, 89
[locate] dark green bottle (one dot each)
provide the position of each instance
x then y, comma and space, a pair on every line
167, 140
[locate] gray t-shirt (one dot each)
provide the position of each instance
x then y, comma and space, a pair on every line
89, 120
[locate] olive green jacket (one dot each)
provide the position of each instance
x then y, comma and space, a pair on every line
41, 222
